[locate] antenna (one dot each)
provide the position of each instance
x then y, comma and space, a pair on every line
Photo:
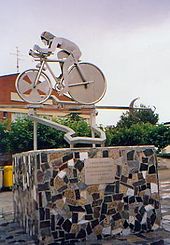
17, 54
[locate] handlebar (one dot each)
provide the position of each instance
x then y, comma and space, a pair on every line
33, 53
37, 54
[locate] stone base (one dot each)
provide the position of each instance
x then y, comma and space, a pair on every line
73, 195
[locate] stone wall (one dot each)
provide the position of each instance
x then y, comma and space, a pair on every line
72, 195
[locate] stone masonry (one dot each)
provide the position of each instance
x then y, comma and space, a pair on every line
66, 196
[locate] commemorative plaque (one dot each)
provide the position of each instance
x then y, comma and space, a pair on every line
99, 171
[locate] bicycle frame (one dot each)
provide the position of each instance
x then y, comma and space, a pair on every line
44, 62
77, 78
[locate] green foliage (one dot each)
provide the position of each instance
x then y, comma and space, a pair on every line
134, 135
164, 155
129, 131
4, 137
77, 123
138, 116
138, 128
21, 134
139, 134
49, 138
159, 136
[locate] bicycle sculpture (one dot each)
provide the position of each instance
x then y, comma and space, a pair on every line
84, 82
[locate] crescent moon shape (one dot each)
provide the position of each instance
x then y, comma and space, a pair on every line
154, 108
131, 106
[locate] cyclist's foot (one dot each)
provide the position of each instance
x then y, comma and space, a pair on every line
60, 77
59, 83
63, 90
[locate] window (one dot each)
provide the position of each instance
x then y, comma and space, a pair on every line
5, 114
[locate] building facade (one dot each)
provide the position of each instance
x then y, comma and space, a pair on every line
12, 106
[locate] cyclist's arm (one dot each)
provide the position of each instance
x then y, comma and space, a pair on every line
53, 46
41, 50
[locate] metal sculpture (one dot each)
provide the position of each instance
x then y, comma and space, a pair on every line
84, 82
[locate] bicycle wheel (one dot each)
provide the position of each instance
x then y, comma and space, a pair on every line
90, 93
26, 90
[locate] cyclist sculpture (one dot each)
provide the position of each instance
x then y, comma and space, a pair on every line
83, 81
53, 43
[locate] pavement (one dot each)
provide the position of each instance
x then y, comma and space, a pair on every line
11, 233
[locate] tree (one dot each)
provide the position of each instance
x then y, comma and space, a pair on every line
139, 134
159, 136
19, 137
134, 135
138, 116
77, 123
52, 138
21, 134
4, 137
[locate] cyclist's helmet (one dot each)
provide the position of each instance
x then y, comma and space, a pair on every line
47, 37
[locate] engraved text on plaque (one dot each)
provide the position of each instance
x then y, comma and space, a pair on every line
99, 171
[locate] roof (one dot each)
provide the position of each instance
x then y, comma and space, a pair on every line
7, 75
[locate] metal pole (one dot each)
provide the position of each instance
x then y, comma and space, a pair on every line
35, 135
93, 123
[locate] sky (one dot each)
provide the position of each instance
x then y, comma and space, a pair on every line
129, 40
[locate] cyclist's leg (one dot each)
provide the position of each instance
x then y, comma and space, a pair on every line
68, 62
61, 55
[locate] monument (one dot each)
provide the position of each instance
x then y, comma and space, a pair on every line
66, 196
